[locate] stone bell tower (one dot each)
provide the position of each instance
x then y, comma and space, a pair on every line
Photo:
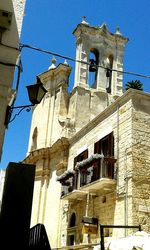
107, 50
96, 85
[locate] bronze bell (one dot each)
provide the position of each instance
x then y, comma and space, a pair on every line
108, 73
92, 66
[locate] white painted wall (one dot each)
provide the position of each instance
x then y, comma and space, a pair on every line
10, 38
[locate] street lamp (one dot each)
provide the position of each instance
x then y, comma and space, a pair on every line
36, 93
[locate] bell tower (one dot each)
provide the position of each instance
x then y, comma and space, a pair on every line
104, 51
98, 79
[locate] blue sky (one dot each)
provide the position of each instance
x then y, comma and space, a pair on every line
49, 24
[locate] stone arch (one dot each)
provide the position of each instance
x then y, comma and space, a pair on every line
72, 222
92, 78
109, 60
71, 239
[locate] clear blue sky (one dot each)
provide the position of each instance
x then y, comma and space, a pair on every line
48, 24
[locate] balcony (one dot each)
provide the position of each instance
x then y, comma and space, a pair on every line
98, 175
94, 174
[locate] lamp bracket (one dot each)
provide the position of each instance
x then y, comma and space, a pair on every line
10, 109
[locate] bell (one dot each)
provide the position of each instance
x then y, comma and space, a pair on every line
92, 66
108, 73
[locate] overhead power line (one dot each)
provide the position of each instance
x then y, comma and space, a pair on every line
67, 58
80, 61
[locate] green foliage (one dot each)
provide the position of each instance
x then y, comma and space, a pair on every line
134, 85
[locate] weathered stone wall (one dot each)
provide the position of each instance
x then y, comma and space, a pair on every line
118, 120
141, 163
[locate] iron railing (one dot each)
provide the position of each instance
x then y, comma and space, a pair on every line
38, 239
101, 168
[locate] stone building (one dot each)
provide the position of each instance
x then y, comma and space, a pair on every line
90, 146
11, 17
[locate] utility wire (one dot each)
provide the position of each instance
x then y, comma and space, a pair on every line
80, 61
67, 58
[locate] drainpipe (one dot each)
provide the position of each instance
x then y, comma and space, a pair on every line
87, 204
126, 193
86, 238
117, 151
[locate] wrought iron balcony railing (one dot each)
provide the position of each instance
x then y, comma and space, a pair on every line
87, 173
101, 168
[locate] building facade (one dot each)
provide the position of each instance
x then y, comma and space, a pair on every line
90, 146
11, 17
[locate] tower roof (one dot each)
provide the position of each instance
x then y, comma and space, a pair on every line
102, 30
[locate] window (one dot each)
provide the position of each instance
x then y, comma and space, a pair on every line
72, 230
106, 147
81, 157
73, 220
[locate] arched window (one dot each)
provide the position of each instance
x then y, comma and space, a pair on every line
109, 77
72, 220
72, 230
34, 139
93, 56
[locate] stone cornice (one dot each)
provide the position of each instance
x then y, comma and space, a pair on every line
101, 30
58, 146
45, 76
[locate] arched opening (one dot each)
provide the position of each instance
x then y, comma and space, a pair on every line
109, 76
72, 230
34, 139
72, 220
93, 56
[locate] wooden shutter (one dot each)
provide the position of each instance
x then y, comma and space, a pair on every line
97, 147
111, 144
75, 162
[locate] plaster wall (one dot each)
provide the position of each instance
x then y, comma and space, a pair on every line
46, 207
8, 54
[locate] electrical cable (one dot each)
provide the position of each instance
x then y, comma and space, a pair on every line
80, 61
21, 46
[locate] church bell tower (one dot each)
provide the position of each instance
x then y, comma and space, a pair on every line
98, 79
104, 51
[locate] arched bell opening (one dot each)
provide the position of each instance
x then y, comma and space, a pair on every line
93, 67
109, 73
